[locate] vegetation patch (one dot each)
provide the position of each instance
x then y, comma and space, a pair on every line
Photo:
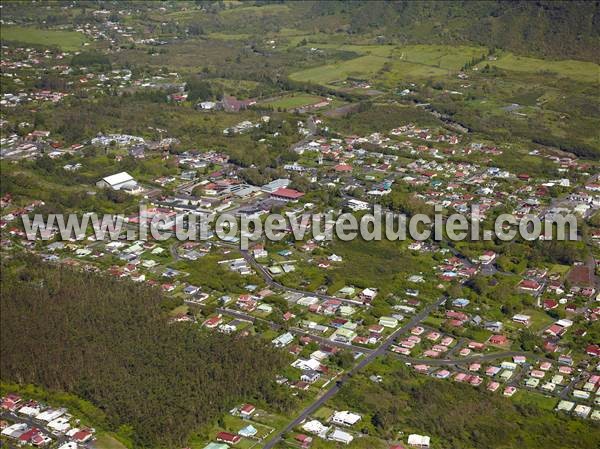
578, 70
67, 40
123, 354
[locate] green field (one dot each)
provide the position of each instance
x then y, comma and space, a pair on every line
416, 62
404, 69
577, 70
424, 61
439, 56
229, 37
255, 10
67, 40
537, 400
412, 62
361, 67
292, 101
107, 441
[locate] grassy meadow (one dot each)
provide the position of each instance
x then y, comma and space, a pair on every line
292, 101
66, 40
577, 70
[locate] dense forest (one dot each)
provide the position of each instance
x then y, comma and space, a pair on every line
561, 29
109, 341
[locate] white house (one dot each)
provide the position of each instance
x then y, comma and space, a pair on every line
51, 414
340, 436
283, 340
120, 181
306, 365
280, 183
522, 319
69, 445
316, 427
345, 418
420, 441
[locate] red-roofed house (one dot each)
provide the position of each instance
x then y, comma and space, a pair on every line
287, 194
343, 168
556, 330
82, 436
498, 340
530, 285
304, 440
10, 401
228, 438
247, 410
593, 350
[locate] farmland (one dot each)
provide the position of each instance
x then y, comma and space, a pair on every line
407, 62
66, 40
577, 70
292, 101
361, 67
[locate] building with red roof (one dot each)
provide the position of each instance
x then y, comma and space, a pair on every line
247, 410
498, 340
593, 350
340, 168
228, 438
82, 435
287, 194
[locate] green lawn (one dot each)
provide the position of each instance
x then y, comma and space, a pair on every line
107, 441
179, 310
229, 37
426, 61
255, 10
440, 56
560, 269
538, 400
361, 67
67, 40
323, 413
412, 62
293, 101
539, 319
577, 70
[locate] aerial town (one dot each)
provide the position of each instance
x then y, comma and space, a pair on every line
256, 108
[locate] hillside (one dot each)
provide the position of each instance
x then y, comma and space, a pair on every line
560, 29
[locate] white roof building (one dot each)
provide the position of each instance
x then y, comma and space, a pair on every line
418, 440
283, 340
306, 365
51, 414
307, 301
316, 427
60, 424
341, 436
15, 431
119, 181
565, 406
582, 410
30, 410
69, 445
345, 418
276, 184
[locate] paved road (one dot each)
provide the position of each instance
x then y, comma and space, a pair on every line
381, 350
295, 331
272, 282
473, 359
60, 439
